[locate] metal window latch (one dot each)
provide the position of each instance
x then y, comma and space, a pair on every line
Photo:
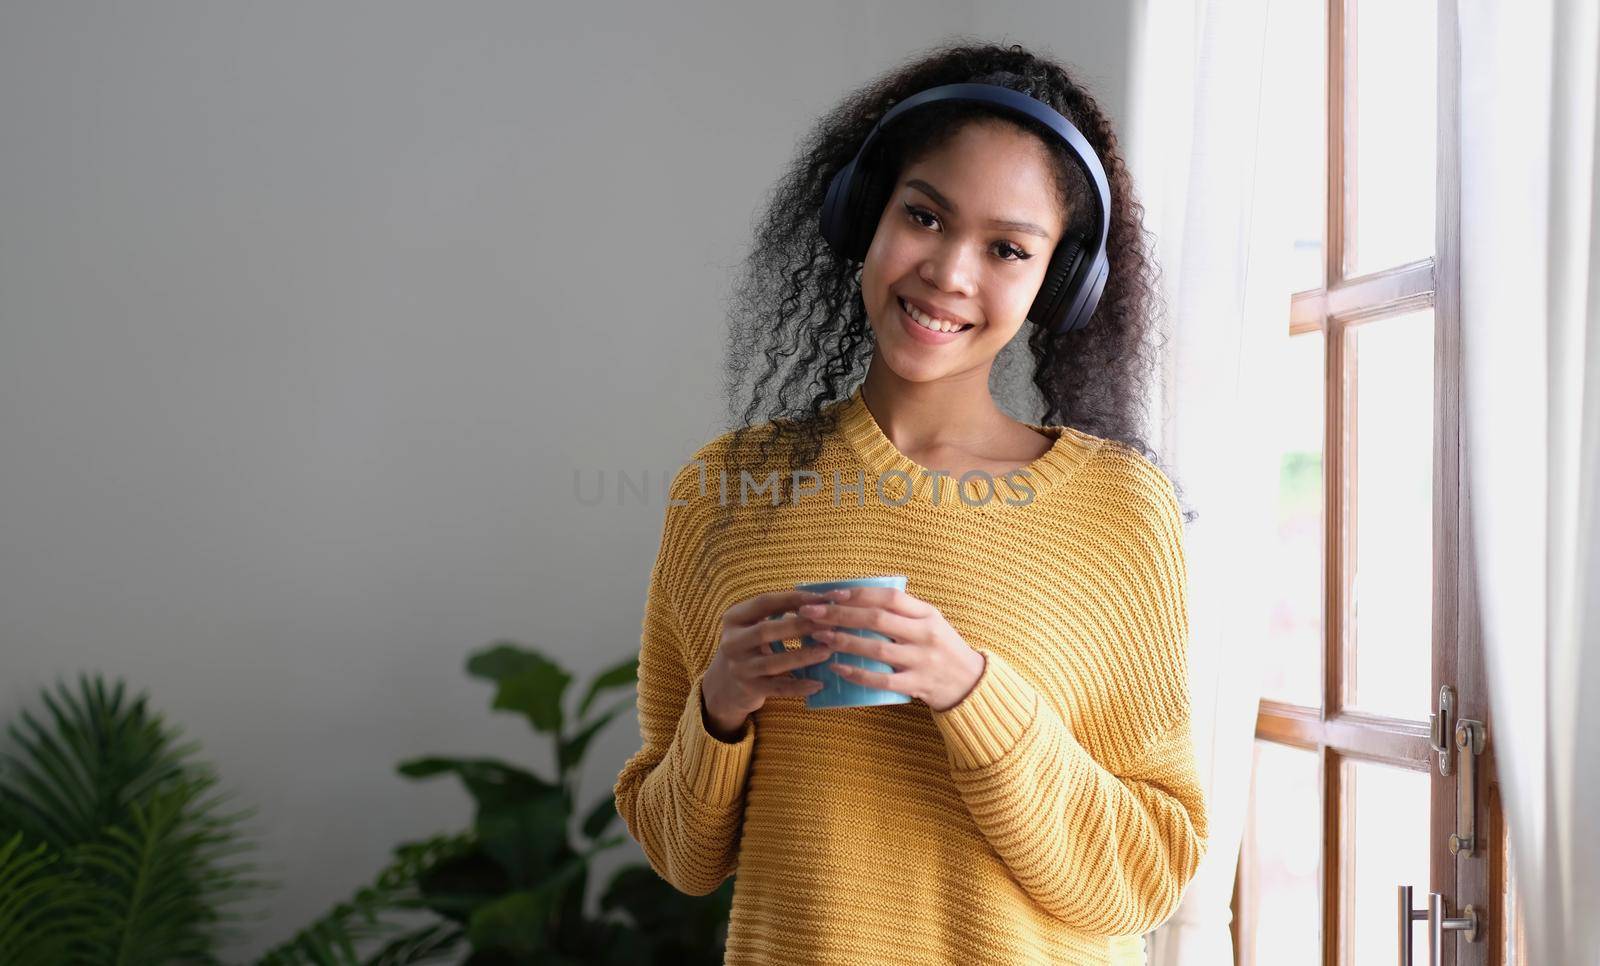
1470, 736
1439, 727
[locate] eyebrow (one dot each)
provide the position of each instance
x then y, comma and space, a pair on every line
1027, 227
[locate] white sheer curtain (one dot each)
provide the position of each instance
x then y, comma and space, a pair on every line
1209, 172
1531, 391
1205, 163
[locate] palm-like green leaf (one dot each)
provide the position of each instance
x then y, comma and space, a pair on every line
143, 902
333, 940
137, 845
33, 889
428, 944
71, 781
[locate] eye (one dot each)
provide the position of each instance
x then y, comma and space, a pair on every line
916, 214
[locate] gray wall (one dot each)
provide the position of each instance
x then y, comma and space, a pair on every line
309, 312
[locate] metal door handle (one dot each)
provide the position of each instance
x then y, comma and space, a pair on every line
1438, 925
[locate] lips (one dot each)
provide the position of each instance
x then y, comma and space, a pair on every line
933, 313
925, 335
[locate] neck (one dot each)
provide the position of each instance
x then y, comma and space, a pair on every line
955, 412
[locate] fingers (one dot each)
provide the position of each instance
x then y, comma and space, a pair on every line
777, 681
893, 600
764, 632
795, 687
892, 625
767, 675
759, 607
784, 661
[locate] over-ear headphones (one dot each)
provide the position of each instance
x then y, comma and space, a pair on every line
1077, 272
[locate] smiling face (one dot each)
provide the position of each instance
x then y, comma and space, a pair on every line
966, 237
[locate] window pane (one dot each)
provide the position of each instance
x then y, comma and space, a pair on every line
1293, 654
1305, 31
1389, 808
1392, 150
1391, 514
1281, 858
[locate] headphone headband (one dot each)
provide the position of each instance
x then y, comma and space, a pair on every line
1078, 267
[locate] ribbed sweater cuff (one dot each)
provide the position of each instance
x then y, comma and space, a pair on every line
714, 771
990, 720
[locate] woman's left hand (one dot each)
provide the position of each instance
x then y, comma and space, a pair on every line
931, 661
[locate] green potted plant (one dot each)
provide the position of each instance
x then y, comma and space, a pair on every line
511, 888
112, 847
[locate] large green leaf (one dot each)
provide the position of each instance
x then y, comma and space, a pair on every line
610, 943
526, 837
514, 923
460, 884
522, 819
601, 816
518, 923
621, 675
529, 683
490, 781
572, 749
500, 660
687, 929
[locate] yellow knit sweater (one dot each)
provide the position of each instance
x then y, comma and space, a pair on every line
1054, 815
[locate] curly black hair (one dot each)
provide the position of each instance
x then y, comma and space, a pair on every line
798, 306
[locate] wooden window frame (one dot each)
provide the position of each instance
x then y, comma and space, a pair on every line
1334, 732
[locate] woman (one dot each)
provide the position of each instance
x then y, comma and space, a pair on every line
1037, 799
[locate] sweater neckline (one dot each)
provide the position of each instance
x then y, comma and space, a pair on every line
891, 469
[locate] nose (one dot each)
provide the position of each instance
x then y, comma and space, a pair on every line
948, 269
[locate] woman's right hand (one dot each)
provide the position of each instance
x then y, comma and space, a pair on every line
745, 671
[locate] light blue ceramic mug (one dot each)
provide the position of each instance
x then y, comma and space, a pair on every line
836, 691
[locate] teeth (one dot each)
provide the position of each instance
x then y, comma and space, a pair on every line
928, 321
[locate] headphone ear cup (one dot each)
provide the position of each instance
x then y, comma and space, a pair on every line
1055, 292
836, 227
1097, 286
872, 194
